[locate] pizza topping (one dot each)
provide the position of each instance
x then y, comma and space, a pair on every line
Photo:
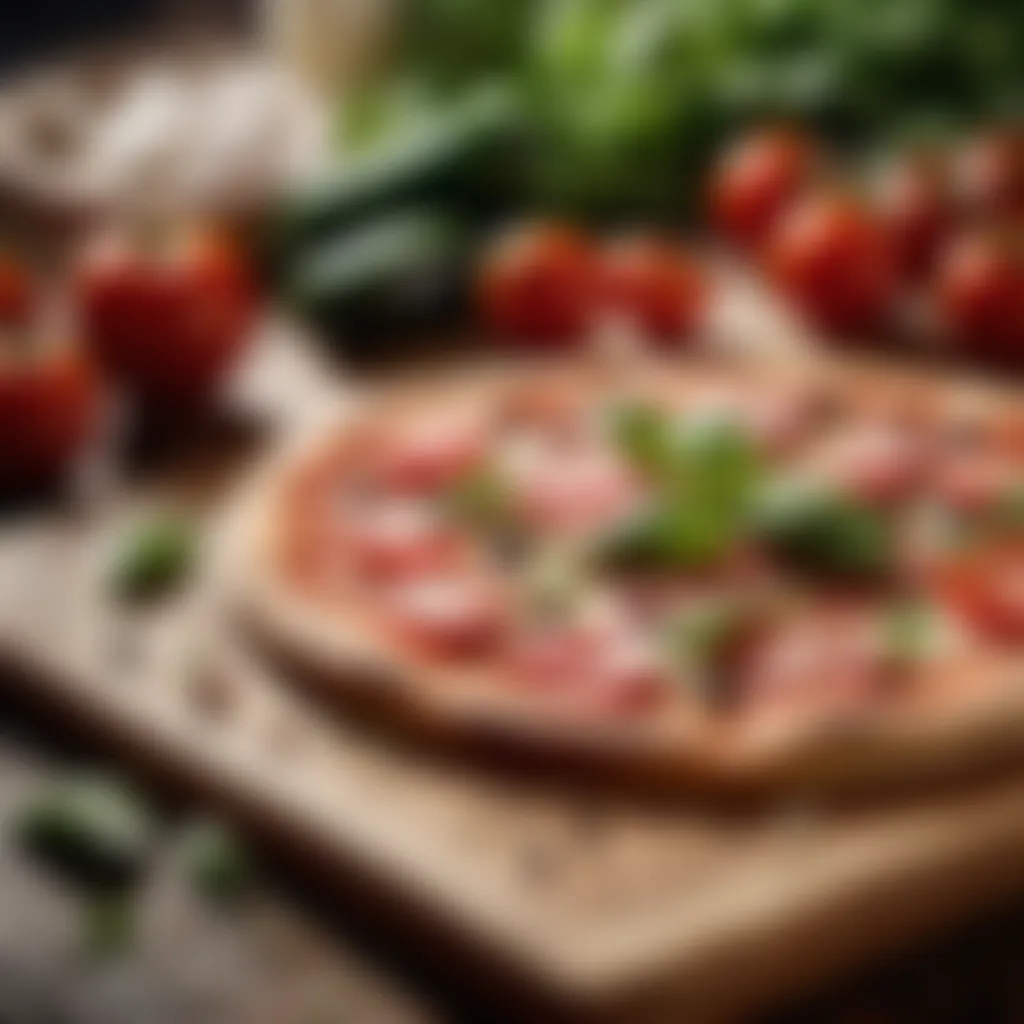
573, 491
977, 482
825, 532
707, 473
874, 464
600, 668
481, 498
831, 660
984, 583
707, 638
554, 582
425, 456
401, 538
458, 617
774, 421
908, 634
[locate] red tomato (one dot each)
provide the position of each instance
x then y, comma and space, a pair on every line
990, 175
167, 319
17, 291
659, 286
985, 584
49, 410
832, 259
915, 206
981, 294
457, 617
757, 179
538, 283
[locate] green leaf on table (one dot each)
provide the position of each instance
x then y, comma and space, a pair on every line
108, 926
217, 864
94, 829
153, 556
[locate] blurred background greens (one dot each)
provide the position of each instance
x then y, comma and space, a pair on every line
624, 102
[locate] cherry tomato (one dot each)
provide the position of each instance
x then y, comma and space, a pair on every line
990, 175
984, 584
756, 180
17, 291
660, 287
832, 259
169, 316
915, 206
538, 283
49, 411
980, 294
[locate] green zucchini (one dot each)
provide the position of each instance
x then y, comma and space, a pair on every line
460, 157
397, 273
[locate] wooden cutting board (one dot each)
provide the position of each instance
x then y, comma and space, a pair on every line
559, 903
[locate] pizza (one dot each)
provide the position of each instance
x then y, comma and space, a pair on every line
696, 575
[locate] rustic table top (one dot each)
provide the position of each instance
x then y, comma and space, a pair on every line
281, 956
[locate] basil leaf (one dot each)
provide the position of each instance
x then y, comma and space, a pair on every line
673, 534
705, 473
826, 532
643, 434
717, 461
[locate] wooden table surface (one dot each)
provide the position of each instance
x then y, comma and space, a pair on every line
283, 958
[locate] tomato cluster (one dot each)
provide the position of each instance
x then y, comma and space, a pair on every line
948, 226
160, 318
550, 284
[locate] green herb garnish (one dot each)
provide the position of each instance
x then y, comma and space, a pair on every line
481, 498
95, 829
707, 472
823, 531
698, 636
1009, 513
908, 629
153, 557
553, 581
643, 433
